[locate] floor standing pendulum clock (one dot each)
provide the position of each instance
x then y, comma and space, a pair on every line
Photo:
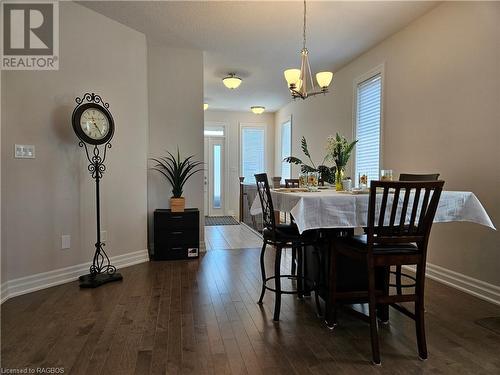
94, 126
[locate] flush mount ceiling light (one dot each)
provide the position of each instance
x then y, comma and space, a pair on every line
231, 81
258, 109
299, 80
205, 106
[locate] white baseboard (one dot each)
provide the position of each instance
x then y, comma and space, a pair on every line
467, 284
44, 280
203, 248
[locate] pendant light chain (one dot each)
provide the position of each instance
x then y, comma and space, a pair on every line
304, 32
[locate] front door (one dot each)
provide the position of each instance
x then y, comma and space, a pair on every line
214, 176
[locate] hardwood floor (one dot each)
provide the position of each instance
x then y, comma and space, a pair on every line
231, 237
201, 317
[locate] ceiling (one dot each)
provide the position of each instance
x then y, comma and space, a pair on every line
258, 40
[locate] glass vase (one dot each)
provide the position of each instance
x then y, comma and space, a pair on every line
312, 181
339, 176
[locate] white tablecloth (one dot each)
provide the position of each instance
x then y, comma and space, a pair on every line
331, 209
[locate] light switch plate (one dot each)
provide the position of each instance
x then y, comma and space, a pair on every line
24, 151
65, 241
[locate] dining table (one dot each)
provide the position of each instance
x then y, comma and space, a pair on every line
328, 208
336, 213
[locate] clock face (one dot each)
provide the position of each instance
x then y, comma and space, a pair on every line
94, 123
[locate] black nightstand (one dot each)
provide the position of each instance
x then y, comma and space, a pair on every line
176, 234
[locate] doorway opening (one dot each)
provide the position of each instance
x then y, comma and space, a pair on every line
215, 171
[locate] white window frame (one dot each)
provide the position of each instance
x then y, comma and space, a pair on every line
379, 69
251, 125
289, 120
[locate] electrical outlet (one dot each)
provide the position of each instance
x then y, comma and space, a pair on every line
24, 151
104, 236
65, 241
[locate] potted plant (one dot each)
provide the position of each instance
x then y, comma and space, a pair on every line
327, 173
177, 172
339, 151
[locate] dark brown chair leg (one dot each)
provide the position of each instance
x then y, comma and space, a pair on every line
373, 314
399, 289
263, 272
317, 282
419, 314
277, 279
331, 310
294, 259
305, 257
300, 280
384, 308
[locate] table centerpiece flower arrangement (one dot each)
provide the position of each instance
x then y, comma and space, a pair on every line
327, 173
339, 150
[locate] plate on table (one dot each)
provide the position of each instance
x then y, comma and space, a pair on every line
355, 191
291, 190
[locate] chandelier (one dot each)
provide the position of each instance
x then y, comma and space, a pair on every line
299, 80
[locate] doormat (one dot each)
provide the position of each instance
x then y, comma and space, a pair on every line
493, 324
220, 220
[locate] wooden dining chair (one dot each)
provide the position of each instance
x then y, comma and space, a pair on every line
399, 274
280, 236
418, 177
399, 225
291, 182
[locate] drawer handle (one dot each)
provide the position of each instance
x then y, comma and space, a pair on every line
177, 248
176, 233
176, 217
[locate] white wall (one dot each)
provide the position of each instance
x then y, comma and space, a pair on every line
3, 255
232, 121
54, 194
175, 85
315, 118
442, 114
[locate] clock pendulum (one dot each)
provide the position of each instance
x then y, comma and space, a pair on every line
94, 126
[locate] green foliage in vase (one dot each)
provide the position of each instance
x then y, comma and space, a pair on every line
339, 150
177, 171
327, 173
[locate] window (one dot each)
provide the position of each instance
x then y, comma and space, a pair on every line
213, 131
368, 120
217, 176
286, 148
252, 151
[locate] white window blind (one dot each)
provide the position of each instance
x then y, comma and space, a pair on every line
252, 152
368, 114
286, 148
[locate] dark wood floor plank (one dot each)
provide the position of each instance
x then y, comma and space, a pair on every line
201, 317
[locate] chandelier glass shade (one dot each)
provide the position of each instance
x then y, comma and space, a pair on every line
300, 81
231, 81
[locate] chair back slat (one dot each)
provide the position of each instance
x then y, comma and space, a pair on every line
402, 217
382, 208
414, 210
266, 201
424, 209
394, 207
408, 222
